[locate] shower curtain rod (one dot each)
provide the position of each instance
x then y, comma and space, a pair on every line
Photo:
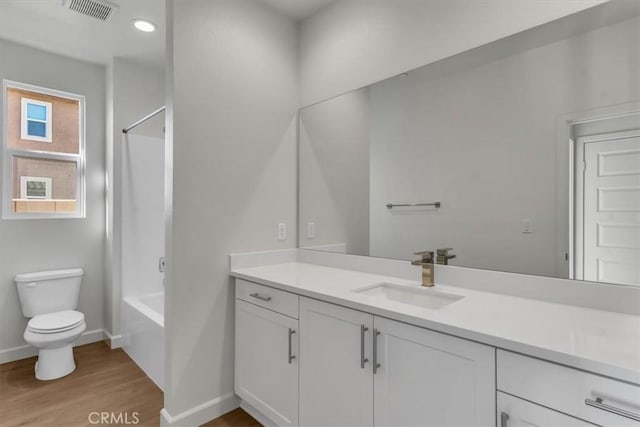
144, 119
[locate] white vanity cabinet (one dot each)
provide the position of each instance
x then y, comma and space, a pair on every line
553, 390
336, 382
426, 378
301, 361
266, 346
350, 360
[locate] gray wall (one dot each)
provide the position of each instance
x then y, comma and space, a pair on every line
353, 43
33, 245
134, 91
234, 139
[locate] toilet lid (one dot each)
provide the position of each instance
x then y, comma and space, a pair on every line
55, 322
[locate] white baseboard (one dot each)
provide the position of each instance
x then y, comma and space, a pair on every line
25, 351
266, 422
89, 337
200, 414
114, 341
17, 353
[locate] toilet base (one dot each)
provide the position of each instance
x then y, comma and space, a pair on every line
55, 363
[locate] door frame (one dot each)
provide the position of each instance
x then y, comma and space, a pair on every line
565, 186
579, 187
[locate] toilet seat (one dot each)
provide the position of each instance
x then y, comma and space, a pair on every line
52, 323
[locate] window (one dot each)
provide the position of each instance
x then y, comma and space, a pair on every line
32, 187
43, 153
36, 120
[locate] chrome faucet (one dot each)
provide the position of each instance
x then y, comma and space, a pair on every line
426, 261
443, 256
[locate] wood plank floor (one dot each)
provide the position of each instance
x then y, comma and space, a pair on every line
237, 418
105, 380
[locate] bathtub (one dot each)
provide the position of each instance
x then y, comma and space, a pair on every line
143, 334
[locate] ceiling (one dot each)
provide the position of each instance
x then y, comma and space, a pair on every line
298, 9
68, 33
47, 25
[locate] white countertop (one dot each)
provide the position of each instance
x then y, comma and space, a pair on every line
598, 341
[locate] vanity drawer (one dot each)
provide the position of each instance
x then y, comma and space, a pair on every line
515, 412
274, 299
569, 390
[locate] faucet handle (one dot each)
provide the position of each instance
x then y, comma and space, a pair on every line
444, 256
425, 256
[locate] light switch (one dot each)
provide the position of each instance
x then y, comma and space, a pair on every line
282, 231
311, 230
527, 226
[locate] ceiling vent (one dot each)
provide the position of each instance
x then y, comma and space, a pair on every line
98, 9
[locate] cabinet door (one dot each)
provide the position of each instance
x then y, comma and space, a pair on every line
266, 374
514, 412
336, 387
427, 378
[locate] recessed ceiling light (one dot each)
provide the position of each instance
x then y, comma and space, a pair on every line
144, 25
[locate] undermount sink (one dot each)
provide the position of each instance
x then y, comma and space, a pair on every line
418, 297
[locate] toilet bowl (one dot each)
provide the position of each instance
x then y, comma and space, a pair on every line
53, 335
49, 300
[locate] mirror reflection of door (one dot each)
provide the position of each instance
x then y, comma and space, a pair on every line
608, 208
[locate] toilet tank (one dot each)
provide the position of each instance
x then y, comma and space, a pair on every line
49, 291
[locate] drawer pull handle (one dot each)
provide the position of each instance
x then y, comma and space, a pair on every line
598, 403
363, 359
260, 297
291, 356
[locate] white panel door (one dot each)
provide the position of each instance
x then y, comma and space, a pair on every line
427, 378
266, 370
514, 412
612, 211
336, 383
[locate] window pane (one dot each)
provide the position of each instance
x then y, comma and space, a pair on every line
65, 122
36, 112
43, 185
36, 189
36, 128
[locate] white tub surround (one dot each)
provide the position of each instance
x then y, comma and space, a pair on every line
606, 344
143, 321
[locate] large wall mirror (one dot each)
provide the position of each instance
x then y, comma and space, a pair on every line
523, 155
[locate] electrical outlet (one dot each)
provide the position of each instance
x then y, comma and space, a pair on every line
527, 226
282, 231
311, 230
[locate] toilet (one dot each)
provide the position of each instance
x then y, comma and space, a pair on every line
49, 299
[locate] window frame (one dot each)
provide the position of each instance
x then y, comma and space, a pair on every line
24, 120
7, 155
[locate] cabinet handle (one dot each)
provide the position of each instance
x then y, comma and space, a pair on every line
598, 403
260, 297
504, 418
376, 365
363, 360
291, 356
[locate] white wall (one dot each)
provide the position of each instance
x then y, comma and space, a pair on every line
34, 245
353, 43
334, 173
133, 91
234, 153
